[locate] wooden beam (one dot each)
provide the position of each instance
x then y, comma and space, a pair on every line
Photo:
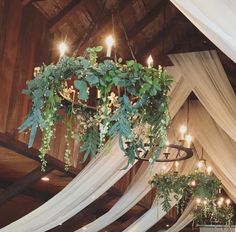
23, 183
26, 2
171, 24
150, 16
21, 148
40, 195
102, 22
64, 15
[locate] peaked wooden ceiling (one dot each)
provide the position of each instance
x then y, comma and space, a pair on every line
144, 26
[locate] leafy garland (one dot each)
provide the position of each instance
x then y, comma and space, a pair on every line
197, 185
143, 103
210, 213
183, 187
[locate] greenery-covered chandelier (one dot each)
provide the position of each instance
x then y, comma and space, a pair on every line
132, 104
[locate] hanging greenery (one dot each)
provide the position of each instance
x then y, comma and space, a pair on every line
143, 102
183, 187
210, 213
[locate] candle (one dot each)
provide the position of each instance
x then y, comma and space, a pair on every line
209, 170
150, 62
188, 139
182, 131
228, 201
62, 49
109, 42
167, 148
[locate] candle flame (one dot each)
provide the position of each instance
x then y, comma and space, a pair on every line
150, 61
109, 41
62, 48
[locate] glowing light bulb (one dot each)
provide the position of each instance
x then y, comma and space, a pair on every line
205, 202
209, 170
198, 200
182, 131
219, 203
193, 183
62, 48
228, 201
109, 42
150, 61
188, 139
167, 148
222, 199
200, 164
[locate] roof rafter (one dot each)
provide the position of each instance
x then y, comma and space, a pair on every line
63, 15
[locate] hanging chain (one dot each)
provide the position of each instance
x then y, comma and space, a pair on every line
122, 26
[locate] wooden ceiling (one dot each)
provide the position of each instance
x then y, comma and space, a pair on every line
141, 27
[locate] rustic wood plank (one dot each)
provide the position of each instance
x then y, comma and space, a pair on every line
150, 16
32, 153
64, 15
10, 35
23, 183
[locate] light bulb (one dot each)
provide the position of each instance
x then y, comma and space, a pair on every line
193, 183
209, 170
150, 61
205, 202
62, 48
188, 139
219, 203
45, 179
167, 148
222, 199
182, 131
200, 164
228, 201
198, 200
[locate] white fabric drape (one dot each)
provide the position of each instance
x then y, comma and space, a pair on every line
139, 186
204, 73
153, 215
185, 218
100, 174
216, 19
214, 140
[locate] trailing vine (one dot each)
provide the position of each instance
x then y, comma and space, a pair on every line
142, 101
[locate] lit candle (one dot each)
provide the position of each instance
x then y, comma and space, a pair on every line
150, 62
176, 166
200, 164
198, 200
193, 183
109, 42
188, 139
182, 131
167, 148
228, 201
62, 49
209, 170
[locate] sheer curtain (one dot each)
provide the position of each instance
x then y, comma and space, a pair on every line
216, 19
140, 185
204, 74
155, 213
79, 193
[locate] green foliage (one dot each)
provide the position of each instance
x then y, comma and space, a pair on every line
171, 183
143, 101
210, 213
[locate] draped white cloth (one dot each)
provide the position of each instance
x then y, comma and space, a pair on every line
216, 19
140, 185
204, 74
99, 175
185, 218
153, 215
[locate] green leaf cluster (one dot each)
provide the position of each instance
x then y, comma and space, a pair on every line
142, 101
